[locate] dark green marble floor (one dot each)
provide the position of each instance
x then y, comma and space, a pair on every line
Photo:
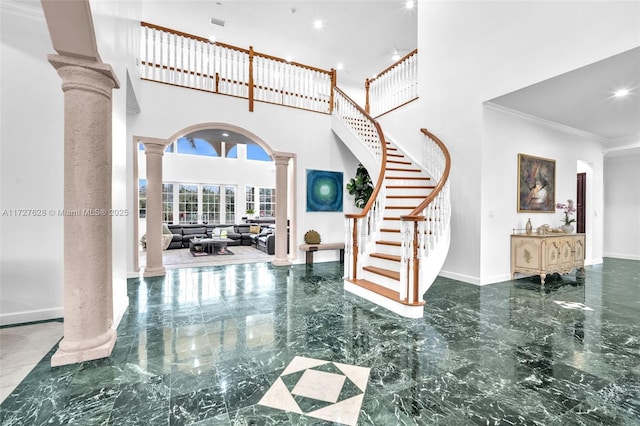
202, 346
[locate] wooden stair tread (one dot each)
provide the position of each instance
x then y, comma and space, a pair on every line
394, 275
396, 155
402, 169
391, 218
409, 177
389, 230
410, 186
382, 291
385, 256
389, 243
399, 162
405, 196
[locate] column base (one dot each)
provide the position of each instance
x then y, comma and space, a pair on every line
62, 357
154, 272
280, 262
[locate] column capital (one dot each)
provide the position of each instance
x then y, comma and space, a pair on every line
153, 145
281, 158
60, 62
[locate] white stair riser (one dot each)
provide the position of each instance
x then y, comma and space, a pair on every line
386, 249
408, 190
391, 265
403, 201
381, 280
390, 236
406, 182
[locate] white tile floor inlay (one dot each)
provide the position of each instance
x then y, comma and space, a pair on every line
321, 389
573, 305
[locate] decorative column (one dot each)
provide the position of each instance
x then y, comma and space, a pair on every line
154, 150
88, 294
282, 163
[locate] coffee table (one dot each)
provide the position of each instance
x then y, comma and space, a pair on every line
207, 246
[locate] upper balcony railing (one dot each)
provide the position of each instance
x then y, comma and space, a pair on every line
186, 60
393, 87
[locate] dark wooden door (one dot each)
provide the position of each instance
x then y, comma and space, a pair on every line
580, 202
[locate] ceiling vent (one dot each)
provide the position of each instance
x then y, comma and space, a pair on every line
219, 22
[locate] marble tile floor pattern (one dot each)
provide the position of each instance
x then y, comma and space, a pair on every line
255, 344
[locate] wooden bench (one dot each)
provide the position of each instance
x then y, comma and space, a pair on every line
311, 248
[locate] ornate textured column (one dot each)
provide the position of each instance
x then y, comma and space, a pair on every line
154, 150
88, 304
282, 162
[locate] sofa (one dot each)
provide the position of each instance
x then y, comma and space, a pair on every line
240, 234
266, 240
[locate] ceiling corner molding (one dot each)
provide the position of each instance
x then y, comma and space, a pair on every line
543, 122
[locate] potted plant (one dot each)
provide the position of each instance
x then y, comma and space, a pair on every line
568, 210
361, 187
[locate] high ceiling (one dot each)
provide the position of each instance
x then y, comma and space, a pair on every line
584, 98
362, 35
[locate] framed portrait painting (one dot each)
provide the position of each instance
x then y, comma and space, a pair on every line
536, 184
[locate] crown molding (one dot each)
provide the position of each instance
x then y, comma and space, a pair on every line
546, 123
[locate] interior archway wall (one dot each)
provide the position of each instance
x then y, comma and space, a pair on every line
184, 132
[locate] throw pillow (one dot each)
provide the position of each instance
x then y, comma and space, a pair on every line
215, 232
254, 229
229, 229
165, 229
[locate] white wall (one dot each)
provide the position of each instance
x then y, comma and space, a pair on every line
471, 52
506, 136
31, 169
622, 205
167, 110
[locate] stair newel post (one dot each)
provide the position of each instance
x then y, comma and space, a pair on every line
416, 265
250, 78
354, 237
367, 107
333, 86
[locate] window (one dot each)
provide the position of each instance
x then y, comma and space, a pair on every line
210, 203
196, 146
167, 202
188, 203
250, 198
267, 202
142, 198
255, 152
230, 204
232, 152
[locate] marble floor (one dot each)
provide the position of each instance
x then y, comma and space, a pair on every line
255, 344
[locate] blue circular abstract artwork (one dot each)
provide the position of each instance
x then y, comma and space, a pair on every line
324, 191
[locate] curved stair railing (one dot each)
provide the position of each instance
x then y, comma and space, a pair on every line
397, 245
361, 227
427, 226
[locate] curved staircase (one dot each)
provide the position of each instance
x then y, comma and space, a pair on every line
397, 245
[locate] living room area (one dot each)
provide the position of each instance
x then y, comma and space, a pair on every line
218, 201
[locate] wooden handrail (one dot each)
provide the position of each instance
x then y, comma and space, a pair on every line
392, 66
416, 213
383, 163
229, 46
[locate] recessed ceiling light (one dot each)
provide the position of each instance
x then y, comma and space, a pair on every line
340, 65
317, 24
395, 56
225, 134
621, 93
409, 4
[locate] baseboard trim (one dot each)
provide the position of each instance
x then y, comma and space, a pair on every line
31, 316
623, 256
460, 277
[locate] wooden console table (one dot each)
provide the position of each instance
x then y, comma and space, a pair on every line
310, 248
547, 254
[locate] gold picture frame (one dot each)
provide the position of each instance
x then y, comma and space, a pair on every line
536, 184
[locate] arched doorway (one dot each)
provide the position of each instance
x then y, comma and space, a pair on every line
214, 140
